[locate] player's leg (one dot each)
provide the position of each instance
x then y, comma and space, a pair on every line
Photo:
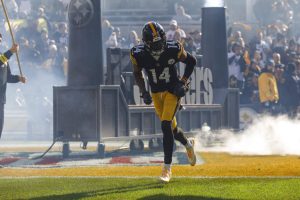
188, 144
158, 103
168, 143
178, 132
168, 140
168, 112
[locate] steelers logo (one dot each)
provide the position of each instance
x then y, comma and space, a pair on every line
171, 61
80, 13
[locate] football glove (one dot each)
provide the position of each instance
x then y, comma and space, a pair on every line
181, 89
147, 98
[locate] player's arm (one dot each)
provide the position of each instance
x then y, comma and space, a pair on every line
187, 59
139, 78
138, 74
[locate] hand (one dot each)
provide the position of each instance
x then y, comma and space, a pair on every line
180, 89
14, 48
22, 79
147, 98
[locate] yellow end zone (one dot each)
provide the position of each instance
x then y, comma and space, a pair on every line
216, 164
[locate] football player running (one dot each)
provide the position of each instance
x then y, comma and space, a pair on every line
157, 57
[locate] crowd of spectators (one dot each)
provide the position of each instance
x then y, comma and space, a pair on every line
266, 68
40, 28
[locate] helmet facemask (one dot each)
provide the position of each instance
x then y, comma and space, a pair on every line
157, 47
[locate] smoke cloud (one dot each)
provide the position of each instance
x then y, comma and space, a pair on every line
266, 136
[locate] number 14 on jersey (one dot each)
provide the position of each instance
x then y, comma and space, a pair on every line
165, 75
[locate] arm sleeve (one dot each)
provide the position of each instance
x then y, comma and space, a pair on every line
242, 64
138, 74
11, 78
190, 62
231, 59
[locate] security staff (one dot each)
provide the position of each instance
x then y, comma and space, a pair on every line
6, 77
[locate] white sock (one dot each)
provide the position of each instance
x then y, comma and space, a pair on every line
167, 166
188, 144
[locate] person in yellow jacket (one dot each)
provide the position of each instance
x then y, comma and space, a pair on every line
267, 86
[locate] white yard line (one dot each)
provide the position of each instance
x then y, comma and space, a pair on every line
153, 177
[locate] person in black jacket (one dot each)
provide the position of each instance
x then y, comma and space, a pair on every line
237, 64
6, 77
291, 87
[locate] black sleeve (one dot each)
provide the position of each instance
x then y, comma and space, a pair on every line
11, 78
190, 62
231, 59
242, 63
137, 72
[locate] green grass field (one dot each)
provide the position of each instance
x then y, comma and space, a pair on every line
149, 188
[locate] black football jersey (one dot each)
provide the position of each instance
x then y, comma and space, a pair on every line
162, 73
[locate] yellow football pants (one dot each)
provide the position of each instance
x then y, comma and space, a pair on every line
166, 104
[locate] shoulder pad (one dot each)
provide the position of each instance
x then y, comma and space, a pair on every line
176, 47
135, 53
137, 50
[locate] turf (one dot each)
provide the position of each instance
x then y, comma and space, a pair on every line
149, 188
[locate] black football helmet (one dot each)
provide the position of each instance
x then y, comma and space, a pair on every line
154, 38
